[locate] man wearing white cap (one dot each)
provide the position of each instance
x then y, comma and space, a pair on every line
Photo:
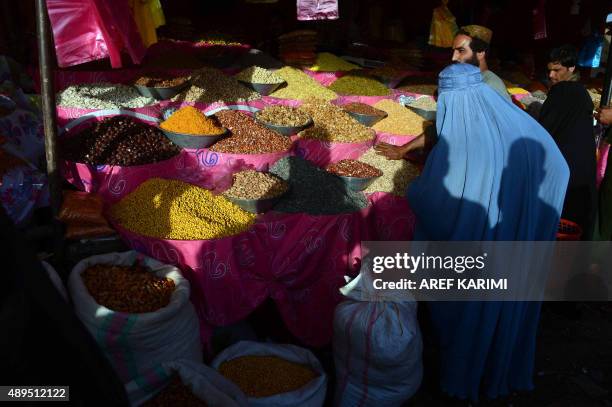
470, 46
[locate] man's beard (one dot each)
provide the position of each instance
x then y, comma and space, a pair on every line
473, 61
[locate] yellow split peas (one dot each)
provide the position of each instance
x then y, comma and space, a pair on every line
170, 209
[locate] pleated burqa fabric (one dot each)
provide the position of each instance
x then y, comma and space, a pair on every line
495, 174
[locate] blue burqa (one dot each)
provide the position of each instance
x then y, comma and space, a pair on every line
494, 174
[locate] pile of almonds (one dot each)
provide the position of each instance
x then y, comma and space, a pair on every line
248, 136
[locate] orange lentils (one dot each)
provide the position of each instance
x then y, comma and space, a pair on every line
189, 120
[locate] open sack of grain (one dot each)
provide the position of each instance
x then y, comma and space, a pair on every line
139, 312
274, 375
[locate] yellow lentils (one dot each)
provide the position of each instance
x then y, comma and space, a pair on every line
265, 376
171, 209
401, 120
301, 86
357, 84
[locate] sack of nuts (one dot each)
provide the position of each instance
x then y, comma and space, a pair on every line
138, 310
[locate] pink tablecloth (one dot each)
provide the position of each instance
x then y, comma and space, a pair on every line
298, 260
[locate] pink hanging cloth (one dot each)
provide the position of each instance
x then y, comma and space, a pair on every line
87, 30
317, 10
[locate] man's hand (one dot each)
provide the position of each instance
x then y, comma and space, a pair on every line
399, 152
390, 151
604, 115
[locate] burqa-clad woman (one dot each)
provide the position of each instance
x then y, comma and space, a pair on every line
494, 175
567, 114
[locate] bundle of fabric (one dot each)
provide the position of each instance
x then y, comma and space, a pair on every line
297, 48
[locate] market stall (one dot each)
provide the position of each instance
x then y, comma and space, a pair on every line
297, 253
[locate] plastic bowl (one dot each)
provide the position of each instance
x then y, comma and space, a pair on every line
367, 120
161, 93
284, 130
356, 183
262, 88
425, 114
190, 141
256, 205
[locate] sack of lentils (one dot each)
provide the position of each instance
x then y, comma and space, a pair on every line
139, 312
113, 154
274, 374
194, 384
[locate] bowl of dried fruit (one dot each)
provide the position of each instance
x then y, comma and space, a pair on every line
356, 175
161, 87
283, 119
364, 114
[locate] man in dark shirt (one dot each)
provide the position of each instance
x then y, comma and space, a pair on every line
567, 114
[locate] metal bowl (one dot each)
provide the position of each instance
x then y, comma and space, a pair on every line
262, 88
161, 93
388, 82
425, 114
356, 183
256, 205
190, 141
284, 130
367, 120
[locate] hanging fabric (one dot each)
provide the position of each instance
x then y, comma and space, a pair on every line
443, 27
87, 30
539, 21
148, 15
317, 10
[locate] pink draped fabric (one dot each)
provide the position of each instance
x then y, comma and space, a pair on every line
602, 162
317, 10
324, 78
86, 30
